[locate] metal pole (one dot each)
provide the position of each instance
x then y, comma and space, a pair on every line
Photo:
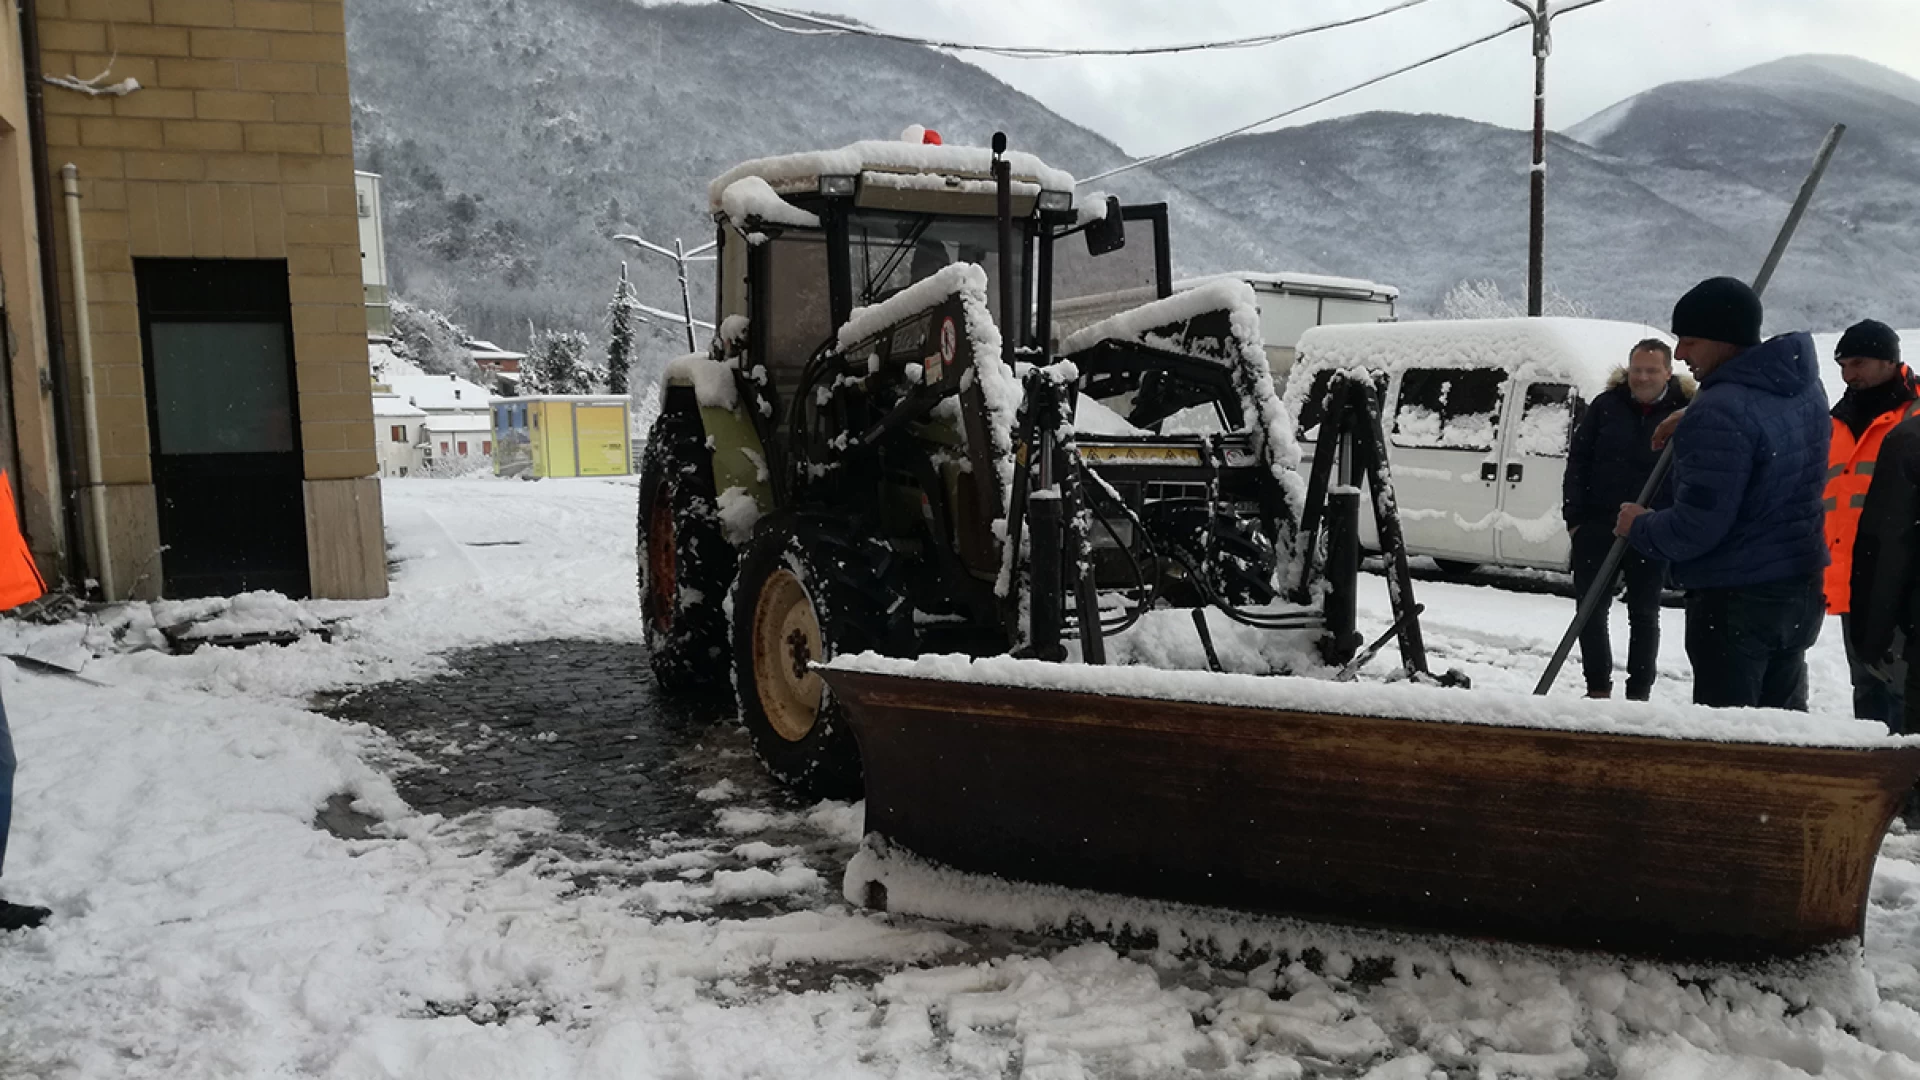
1603, 583
1537, 211
686, 297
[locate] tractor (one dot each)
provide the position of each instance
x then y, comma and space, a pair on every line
889, 448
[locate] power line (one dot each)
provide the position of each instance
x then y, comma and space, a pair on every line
820, 26
1517, 24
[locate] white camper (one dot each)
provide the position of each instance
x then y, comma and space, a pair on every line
1477, 415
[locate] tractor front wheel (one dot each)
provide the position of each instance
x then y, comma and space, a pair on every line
807, 592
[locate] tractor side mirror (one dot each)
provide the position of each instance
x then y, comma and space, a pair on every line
1109, 234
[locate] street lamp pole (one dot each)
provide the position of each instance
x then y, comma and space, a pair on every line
681, 257
1541, 21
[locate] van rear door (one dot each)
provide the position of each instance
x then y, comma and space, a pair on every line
1443, 440
1531, 531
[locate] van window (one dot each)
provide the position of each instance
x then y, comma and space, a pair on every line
1546, 420
1448, 408
1313, 408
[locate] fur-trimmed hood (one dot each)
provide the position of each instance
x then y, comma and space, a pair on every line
1679, 383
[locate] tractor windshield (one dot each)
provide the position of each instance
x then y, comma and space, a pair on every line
890, 251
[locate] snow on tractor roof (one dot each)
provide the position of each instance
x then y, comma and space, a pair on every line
791, 174
1583, 352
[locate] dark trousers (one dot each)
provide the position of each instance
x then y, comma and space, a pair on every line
1645, 578
1877, 692
1748, 645
6, 783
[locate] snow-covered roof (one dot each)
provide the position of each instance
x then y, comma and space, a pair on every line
790, 174
450, 423
385, 363
392, 406
440, 393
1296, 281
1583, 352
486, 350
585, 399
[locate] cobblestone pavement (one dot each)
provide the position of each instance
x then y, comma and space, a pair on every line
636, 780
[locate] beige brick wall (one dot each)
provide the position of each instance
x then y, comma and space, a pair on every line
238, 145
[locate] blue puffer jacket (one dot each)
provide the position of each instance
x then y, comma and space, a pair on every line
1749, 462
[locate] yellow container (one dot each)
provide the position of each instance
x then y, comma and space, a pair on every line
562, 436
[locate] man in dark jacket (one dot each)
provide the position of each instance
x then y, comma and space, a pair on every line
1608, 463
1746, 532
1886, 569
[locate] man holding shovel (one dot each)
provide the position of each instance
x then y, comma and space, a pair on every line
1745, 533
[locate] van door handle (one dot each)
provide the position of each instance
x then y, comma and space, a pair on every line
1514, 472
1488, 472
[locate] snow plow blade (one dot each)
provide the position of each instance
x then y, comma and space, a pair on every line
1637, 843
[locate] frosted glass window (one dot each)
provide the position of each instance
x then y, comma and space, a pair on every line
222, 387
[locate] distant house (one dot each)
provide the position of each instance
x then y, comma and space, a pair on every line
502, 366
456, 423
453, 438
399, 433
373, 253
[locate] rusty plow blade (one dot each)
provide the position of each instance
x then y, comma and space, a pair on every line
1555, 821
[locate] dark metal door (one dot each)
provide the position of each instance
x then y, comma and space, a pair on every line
223, 414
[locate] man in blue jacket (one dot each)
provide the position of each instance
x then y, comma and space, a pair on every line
1745, 533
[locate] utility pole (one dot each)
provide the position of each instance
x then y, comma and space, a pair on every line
681, 257
1541, 21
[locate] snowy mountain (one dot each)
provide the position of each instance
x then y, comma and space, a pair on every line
1643, 199
516, 136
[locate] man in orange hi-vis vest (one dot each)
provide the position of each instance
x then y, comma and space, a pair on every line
1880, 394
20, 583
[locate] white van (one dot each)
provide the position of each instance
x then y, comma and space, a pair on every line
1477, 415
1290, 304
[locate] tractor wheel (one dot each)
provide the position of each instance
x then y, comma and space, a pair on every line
685, 561
809, 591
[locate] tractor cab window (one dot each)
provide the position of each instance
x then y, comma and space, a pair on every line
1448, 408
799, 308
890, 251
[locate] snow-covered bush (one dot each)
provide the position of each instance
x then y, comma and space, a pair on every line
431, 341
1482, 299
558, 364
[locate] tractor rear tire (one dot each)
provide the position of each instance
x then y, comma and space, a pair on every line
686, 564
809, 591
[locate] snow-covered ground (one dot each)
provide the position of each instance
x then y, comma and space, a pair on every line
205, 928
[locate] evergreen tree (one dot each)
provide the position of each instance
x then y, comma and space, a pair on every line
622, 314
558, 364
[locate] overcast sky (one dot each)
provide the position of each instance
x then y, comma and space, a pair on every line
1601, 54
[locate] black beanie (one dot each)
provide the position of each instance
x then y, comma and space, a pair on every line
1869, 338
1719, 309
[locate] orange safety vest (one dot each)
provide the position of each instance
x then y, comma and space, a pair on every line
1849, 472
20, 580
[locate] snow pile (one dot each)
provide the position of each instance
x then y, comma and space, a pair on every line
248, 613
1394, 701
749, 199
792, 173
